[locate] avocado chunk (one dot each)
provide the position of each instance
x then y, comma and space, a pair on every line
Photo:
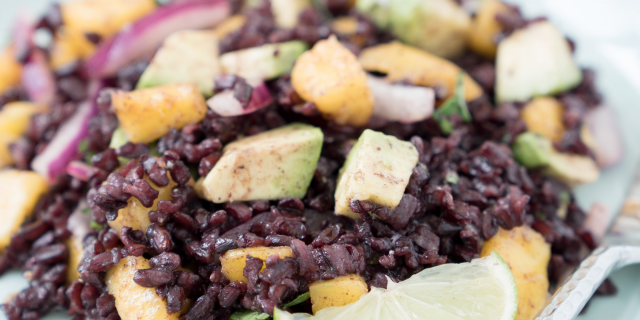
265, 62
377, 169
437, 26
275, 164
535, 151
189, 56
534, 61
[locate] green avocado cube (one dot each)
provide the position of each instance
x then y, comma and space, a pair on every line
377, 169
189, 56
265, 62
271, 165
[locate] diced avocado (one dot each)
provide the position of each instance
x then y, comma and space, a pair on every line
535, 151
437, 26
275, 164
265, 62
532, 150
534, 61
118, 138
377, 169
188, 56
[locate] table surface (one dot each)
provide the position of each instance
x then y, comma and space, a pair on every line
607, 34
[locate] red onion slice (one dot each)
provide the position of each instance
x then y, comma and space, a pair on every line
395, 102
64, 146
144, 36
81, 170
605, 131
597, 220
226, 105
37, 79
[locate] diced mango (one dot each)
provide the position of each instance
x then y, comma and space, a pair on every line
75, 251
286, 13
14, 120
148, 114
544, 116
103, 17
233, 261
336, 292
485, 28
134, 302
135, 215
232, 24
404, 63
329, 75
345, 25
527, 254
79, 223
66, 50
19, 193
11, 70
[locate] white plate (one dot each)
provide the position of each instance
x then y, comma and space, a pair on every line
607, 34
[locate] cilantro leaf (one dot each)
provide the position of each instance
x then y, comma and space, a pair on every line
300, 299
455, 105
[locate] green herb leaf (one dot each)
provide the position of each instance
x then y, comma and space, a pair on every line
451, 177
300, 299
540, 216
118, 138
456, 104
96, 226
86, 210
153, 147
83, 145
87, 159
249, 315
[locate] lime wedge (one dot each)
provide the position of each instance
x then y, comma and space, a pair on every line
483, 289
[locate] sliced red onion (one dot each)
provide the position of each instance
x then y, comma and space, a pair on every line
605, 131
226, 105
63, 147
79, 222
597, 220
395, 102
144, 36
22, 36
37, 79
81, 170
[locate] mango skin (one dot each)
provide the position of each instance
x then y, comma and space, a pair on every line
148, 114
544, 115
405, 63
134, 302
234, 261
485, 28
329, 75
20, 191
527, 254
336, 292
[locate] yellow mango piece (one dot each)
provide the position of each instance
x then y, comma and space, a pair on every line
135, 215
148, 114
134, 302
11, 70
336, 292
19, 193
104, 17
232, 24
345, 25
14, 120
75, 252
527, 254
404, 63
66, 50
233, 261
544, 116
329, 75
485, 28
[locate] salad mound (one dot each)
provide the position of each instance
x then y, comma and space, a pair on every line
228, 159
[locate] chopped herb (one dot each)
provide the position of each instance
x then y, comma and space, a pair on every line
540, 216
455, 105
96, 226
83, 146
193, 169
564, 196
87, 159
153, 147
86, 210
118, 138
451, 177
249, 315
300, 299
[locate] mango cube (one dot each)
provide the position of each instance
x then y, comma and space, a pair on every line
404, 63
485, 28
134, 302
233, 261
148, 114
14, 120
20, 191
11, 70
544, 116
337, 292
527, 254
329, 75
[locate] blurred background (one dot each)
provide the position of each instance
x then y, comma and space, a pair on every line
607, 37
